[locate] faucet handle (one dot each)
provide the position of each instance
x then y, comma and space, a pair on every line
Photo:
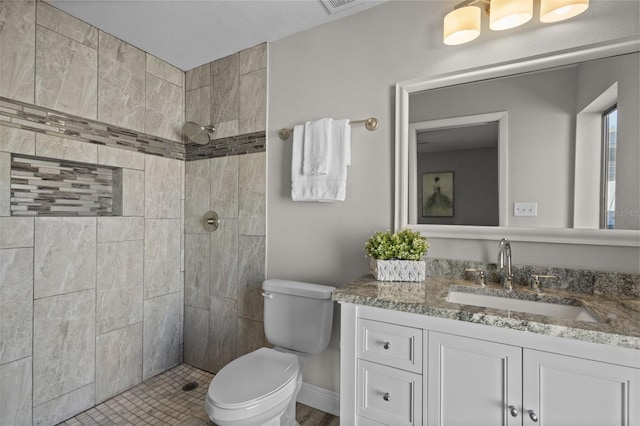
482, 276
534, 284
507, 282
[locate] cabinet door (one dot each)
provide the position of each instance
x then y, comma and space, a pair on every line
567, 391
473, 382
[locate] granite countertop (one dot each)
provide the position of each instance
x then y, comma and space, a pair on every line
619, 317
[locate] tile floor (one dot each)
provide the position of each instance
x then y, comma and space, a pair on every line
160, 401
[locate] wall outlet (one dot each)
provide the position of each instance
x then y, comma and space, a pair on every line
525, 209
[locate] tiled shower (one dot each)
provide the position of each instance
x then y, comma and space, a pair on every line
92, 305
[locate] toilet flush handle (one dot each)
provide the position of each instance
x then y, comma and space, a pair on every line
267, 295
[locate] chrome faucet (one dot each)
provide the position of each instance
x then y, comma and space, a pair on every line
504, 260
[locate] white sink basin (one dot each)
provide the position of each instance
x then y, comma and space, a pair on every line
575, 313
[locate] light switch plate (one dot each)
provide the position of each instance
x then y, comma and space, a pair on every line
525, 209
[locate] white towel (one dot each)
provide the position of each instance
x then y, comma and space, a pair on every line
331, 186
317, 147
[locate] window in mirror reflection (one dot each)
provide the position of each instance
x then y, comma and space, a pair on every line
609, 136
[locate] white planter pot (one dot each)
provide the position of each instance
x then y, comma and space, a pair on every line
398, 270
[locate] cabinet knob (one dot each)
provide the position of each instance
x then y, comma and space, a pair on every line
386, 396
386, 345
513, 410
533, 416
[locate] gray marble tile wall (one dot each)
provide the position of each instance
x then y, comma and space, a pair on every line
224, 269
17, 41
89, 306
88, 292
121, 83
92, 306
79, 296
61, 63
230, 93
61, 131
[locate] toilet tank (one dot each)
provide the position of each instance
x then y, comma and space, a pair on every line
297, 315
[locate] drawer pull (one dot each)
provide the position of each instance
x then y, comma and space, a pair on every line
386, 345
386, 396
533, 416
513, 410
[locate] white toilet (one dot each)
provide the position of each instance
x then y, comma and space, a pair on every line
261, 388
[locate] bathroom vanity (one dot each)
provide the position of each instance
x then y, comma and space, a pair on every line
409, 356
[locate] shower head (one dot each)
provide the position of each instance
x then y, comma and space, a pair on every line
196, 133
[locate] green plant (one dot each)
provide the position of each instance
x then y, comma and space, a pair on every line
403, 245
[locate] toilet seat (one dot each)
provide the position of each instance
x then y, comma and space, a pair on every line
263, 377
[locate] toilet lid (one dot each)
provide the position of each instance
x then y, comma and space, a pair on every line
252, 377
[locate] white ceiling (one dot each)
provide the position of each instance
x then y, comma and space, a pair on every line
189, 33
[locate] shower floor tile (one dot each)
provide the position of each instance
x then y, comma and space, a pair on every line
160, 401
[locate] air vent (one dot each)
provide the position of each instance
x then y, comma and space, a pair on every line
337, 6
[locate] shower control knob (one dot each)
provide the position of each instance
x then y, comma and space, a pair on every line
386, 396
211, 221
386, 345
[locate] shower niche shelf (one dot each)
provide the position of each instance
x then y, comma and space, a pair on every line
52, 187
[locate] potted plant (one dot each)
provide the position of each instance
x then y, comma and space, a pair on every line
397, 257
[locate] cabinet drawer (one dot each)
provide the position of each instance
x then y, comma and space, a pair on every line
388, 395
390, 344
363, 421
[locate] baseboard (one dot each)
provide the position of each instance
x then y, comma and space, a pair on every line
320, 398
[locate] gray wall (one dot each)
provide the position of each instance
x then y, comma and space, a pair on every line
348, 69
475, 175
88, 306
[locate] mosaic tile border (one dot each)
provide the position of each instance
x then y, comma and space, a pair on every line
26, 116
226, 147
54, 123
578, 280
45, 187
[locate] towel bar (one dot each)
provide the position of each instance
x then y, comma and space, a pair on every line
370, 124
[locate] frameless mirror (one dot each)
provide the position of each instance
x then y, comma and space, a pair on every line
544, 146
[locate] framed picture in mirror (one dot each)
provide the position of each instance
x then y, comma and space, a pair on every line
437, 194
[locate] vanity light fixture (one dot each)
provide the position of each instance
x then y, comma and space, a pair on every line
507, 14
463, 23
559, 10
